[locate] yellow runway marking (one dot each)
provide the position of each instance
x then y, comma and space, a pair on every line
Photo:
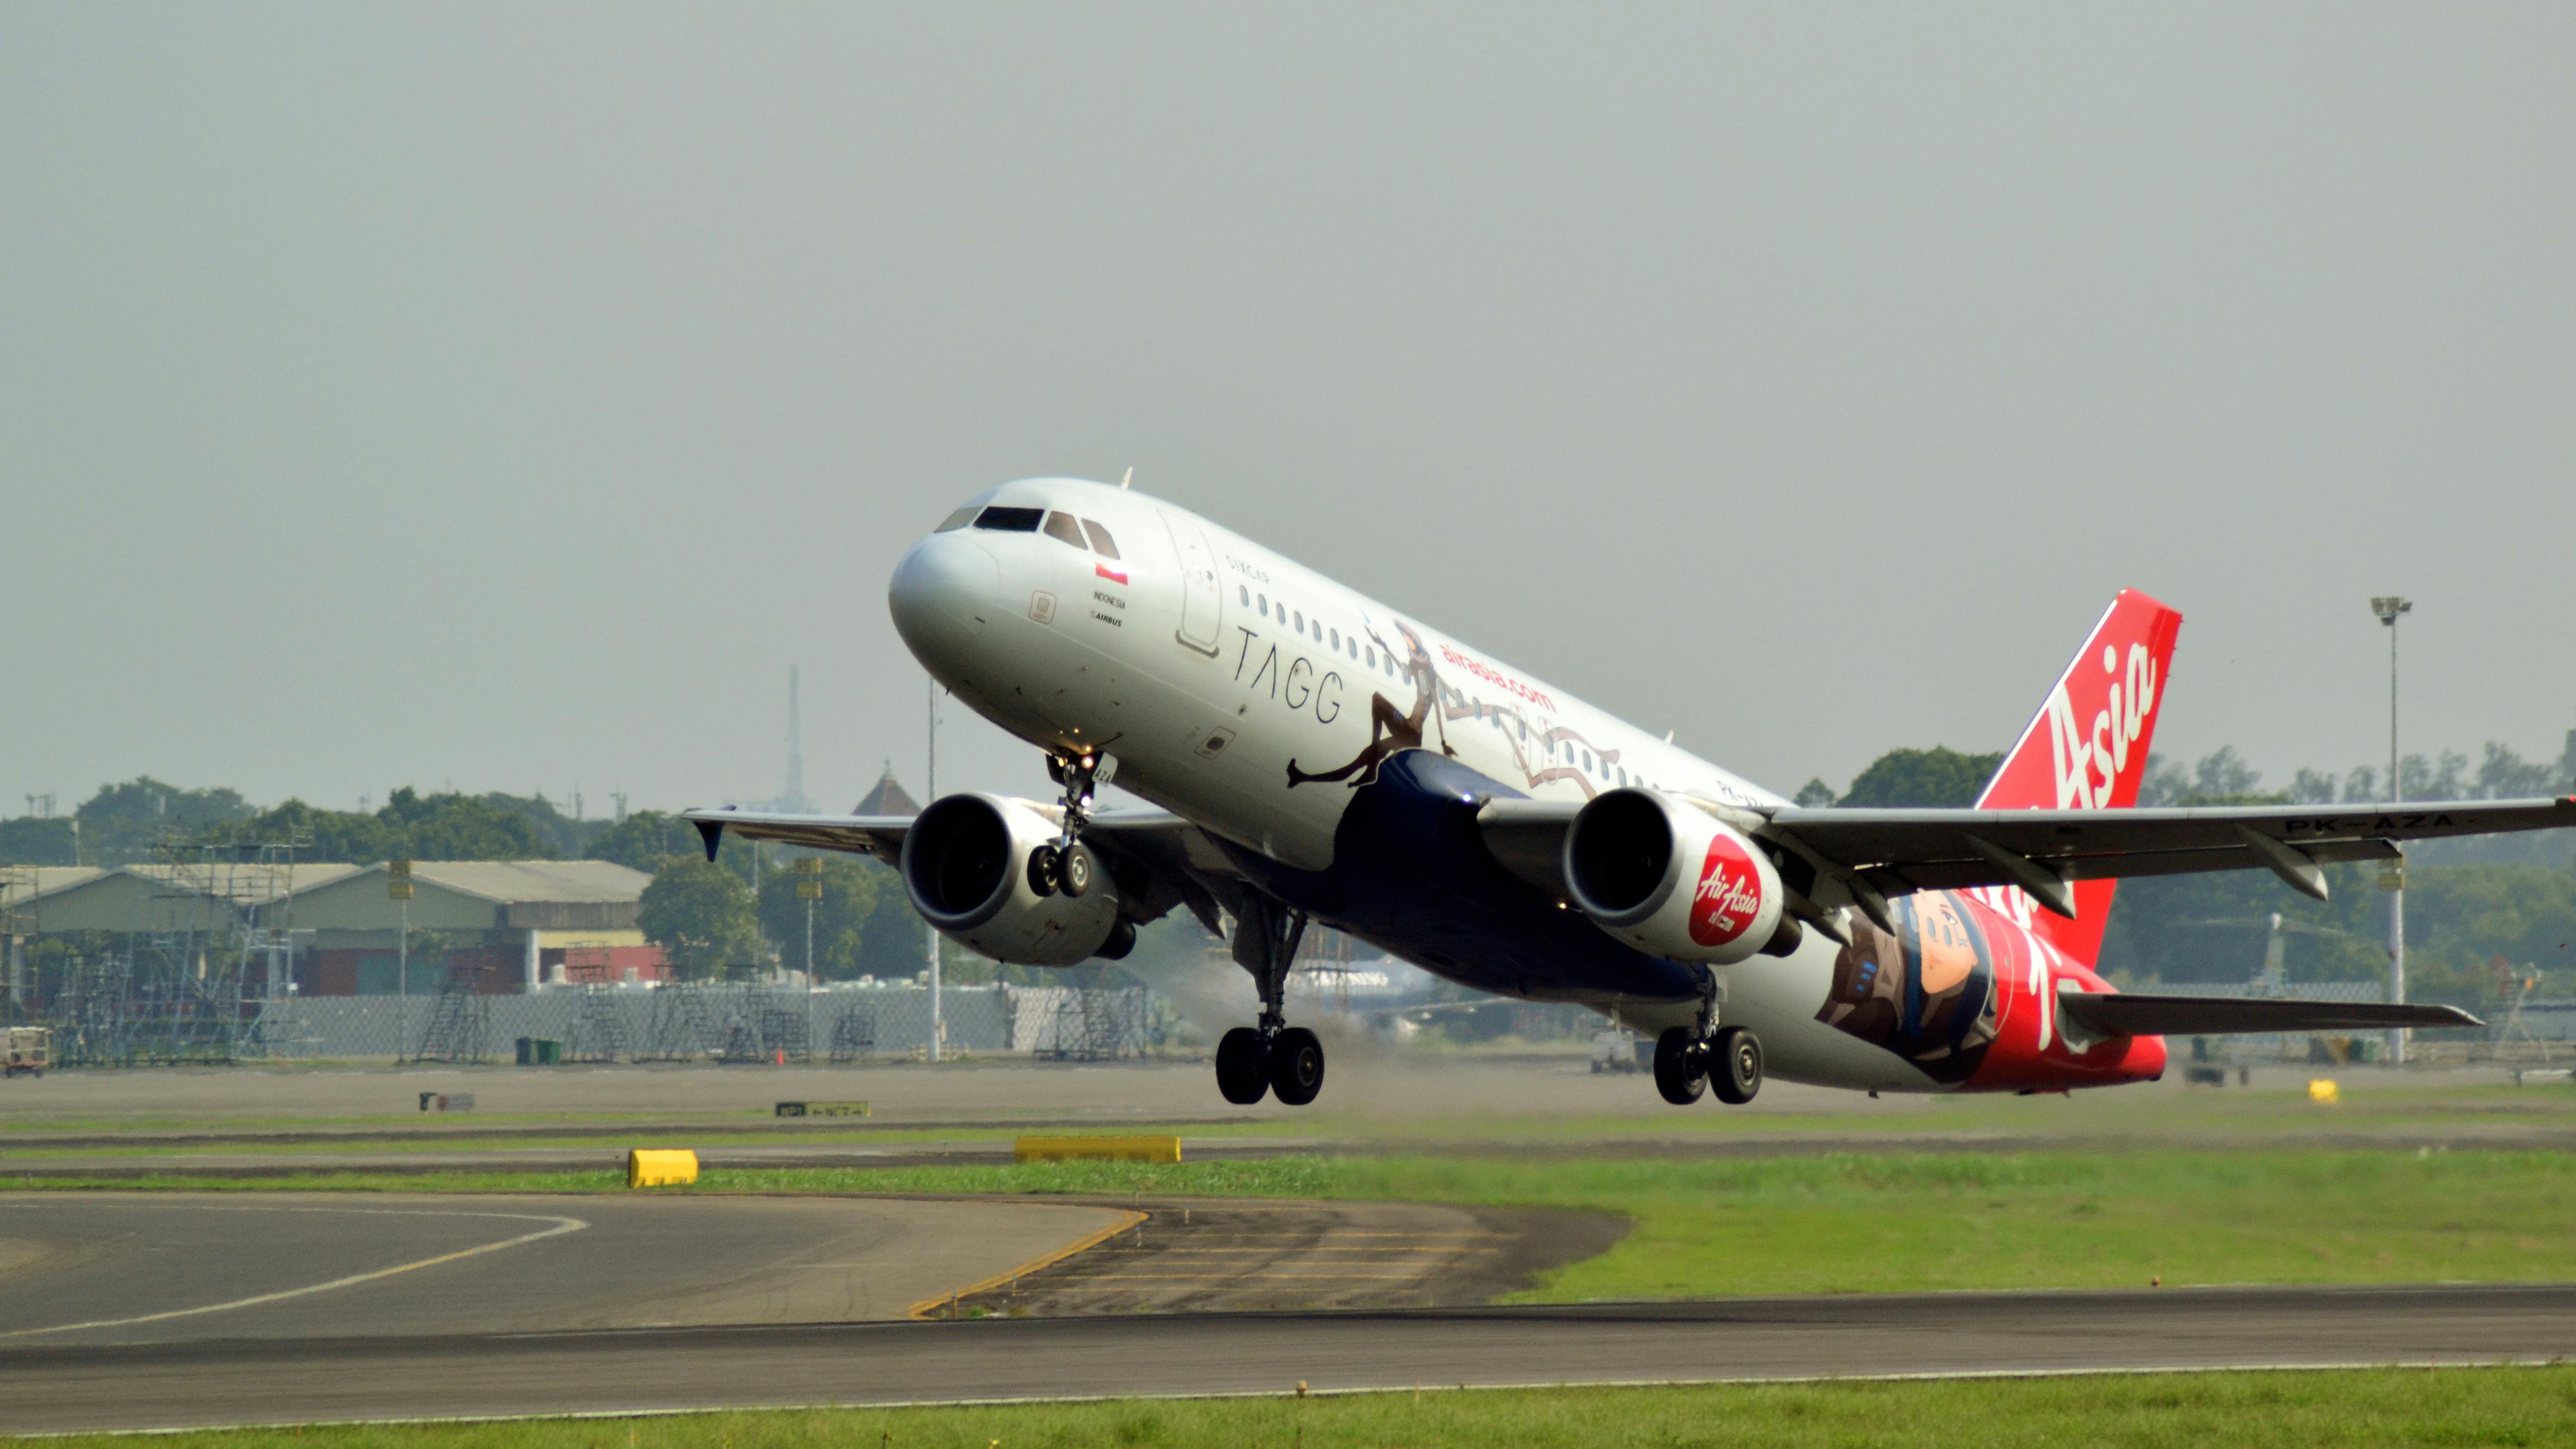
1240, 1277
1273, 1252
931, 1305
561, 1226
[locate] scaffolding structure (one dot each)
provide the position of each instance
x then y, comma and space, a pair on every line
767, 1034
204, 975
683, 1028
599, 1031
1096, 1024
854, 1033
460, 1020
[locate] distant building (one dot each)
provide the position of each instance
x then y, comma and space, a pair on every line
517, 924
887, 798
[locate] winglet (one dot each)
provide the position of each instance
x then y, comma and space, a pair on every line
711, 833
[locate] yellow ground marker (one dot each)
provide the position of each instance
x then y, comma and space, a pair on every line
929, 1307
1109, 1149
651, 1167
2324, 1091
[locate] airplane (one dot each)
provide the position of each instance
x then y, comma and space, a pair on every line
1312, 755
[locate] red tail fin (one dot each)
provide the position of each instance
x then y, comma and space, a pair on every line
2086, 749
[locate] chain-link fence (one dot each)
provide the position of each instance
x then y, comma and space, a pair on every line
664, 1024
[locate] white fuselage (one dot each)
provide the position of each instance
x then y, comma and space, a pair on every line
1217, 667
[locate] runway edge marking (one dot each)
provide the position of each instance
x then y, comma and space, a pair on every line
1524, 1386
561, 1226
936, 1301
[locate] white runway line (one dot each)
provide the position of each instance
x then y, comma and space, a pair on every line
561, 1226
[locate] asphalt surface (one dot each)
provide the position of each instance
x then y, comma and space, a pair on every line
95, 1269
302, 1380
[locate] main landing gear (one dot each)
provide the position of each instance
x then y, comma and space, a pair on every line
1063, 866
1252, 1062
1692, 1059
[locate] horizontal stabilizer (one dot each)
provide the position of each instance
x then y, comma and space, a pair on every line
2122, 1013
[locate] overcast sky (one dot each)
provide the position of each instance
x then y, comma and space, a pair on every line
506, 396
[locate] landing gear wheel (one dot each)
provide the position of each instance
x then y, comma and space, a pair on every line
1073, 871
1680, 1073
1240, 1067
1296, 1066
1044, 867
1735, 1065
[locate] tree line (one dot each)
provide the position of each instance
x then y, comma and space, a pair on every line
2479, 912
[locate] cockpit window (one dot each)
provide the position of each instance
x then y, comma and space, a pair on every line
1101, 540
1061, 527
956, 521
1010, 520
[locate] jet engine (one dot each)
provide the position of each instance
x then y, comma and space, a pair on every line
966, 867
1666, 877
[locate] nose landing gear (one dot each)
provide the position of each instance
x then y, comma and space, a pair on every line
1065, 866
1274, 1057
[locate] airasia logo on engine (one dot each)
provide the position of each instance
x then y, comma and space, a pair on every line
1729, 895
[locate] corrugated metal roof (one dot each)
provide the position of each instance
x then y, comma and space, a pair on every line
24, 883
244, 882
515, 882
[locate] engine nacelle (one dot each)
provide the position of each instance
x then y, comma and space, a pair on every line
1666, 877
966, 868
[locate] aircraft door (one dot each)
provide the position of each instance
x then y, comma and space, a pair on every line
1201, 600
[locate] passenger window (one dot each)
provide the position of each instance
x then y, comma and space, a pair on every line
956, 521
1010, 520
1242, 595
1372, 659
1587, 762
1337, 638
1061, 527
1100, 539
1301, 621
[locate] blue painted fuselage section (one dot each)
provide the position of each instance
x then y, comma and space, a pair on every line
1411, 875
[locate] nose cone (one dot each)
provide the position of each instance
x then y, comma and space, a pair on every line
943, 591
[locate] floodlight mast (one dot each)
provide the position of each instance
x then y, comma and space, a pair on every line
2388, 607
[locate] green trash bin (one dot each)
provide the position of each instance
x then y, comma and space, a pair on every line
527, 1051
549, 1052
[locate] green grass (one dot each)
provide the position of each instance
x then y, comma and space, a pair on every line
1832, 1223
2324, 1410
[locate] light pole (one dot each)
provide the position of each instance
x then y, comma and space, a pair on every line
930, 792
2388, 607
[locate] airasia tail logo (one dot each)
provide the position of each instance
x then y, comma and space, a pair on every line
1729, 896
2089, 759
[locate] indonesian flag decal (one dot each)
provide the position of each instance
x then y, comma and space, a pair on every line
1115, 576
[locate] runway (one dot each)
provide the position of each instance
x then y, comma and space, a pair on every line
97, 1269
314, 1379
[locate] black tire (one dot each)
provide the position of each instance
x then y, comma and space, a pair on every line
1296, 1067
1735, 1065
1241, 1075
1073, 871
1679, 1073
1043, 869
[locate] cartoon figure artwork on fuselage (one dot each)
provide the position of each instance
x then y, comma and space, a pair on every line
1314, 756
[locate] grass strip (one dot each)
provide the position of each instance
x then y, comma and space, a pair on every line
2311, 1410
1833, 1223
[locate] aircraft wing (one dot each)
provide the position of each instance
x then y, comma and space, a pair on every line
2121, 1013
882, 835
1909, 850
1158, 858
877, 835
1896, 852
